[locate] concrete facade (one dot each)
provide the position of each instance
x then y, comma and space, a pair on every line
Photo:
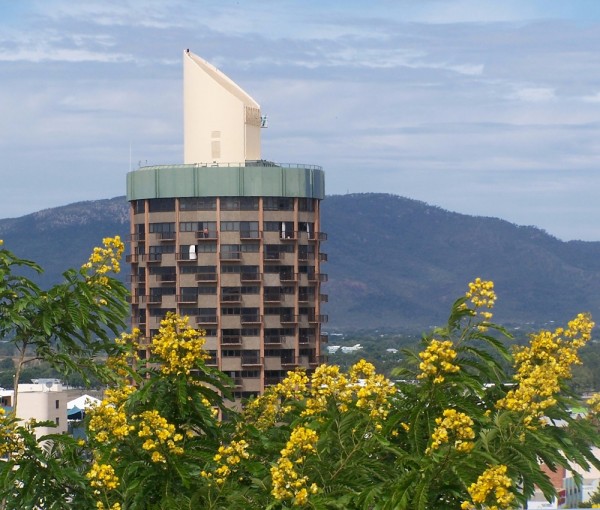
233, 242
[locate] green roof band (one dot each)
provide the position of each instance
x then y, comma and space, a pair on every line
256, 179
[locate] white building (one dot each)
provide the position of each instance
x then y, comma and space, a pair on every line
41, 400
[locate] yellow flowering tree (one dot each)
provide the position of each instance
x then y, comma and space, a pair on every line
71, 326
465, 425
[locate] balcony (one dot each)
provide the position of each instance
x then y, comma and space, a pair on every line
230, 256
317, 236
306, 339
288, 318
135, 278
288, 359
272, 257
167, 236
227, 340
306, 257
206, 278
272, 297
231, 298
323, 257
250, 235
185, 257
272, 381
288, 236
207, 318
318, 319
324, 298
274, 340
187, 298
318, 277
136, 238
325, 338
167, 278
251, 359
250, 276
206, 236
288, 276
213, 361
150, 257
251, 318
317, 360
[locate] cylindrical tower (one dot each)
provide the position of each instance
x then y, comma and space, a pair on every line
237, 249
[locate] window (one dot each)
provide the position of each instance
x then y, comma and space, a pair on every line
306, 204
162, 248
162, 227
57, 404
271, 226
230, 226
239, 204
189, 226
198, 204
138, 206
207, 289
161, 205
278, 204
161, 270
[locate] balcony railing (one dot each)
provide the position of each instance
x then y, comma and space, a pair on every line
324, 298
325, 338
167, 278
206, 235
230, 256
288, 359
136, 238
317, 360
213, 361
286, 276
206, 277
306, 339
272, 257
274, 340
167, 236
251, 318
288, 236
206, 319
318, 277
323, 257
150, 257
317, 236
251, 359
231, 339
288, 318
187, 298
318, 319
250, 276
249, 235
272, 297
231, 298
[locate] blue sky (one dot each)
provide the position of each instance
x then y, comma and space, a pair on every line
482, 107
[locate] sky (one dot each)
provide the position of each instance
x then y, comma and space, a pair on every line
488, 108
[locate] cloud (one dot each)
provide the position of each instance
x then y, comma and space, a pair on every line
534, 94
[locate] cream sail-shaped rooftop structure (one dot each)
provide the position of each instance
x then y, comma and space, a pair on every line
222, 123
230, 239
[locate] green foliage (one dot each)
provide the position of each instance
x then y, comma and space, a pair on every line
465, 427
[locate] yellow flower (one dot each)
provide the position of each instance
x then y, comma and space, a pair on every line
491, 489
178, 345
540, 367
438, 360
455, 426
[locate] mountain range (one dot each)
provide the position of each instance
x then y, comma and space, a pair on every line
394, 263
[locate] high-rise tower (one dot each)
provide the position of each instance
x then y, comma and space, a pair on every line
229, 239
